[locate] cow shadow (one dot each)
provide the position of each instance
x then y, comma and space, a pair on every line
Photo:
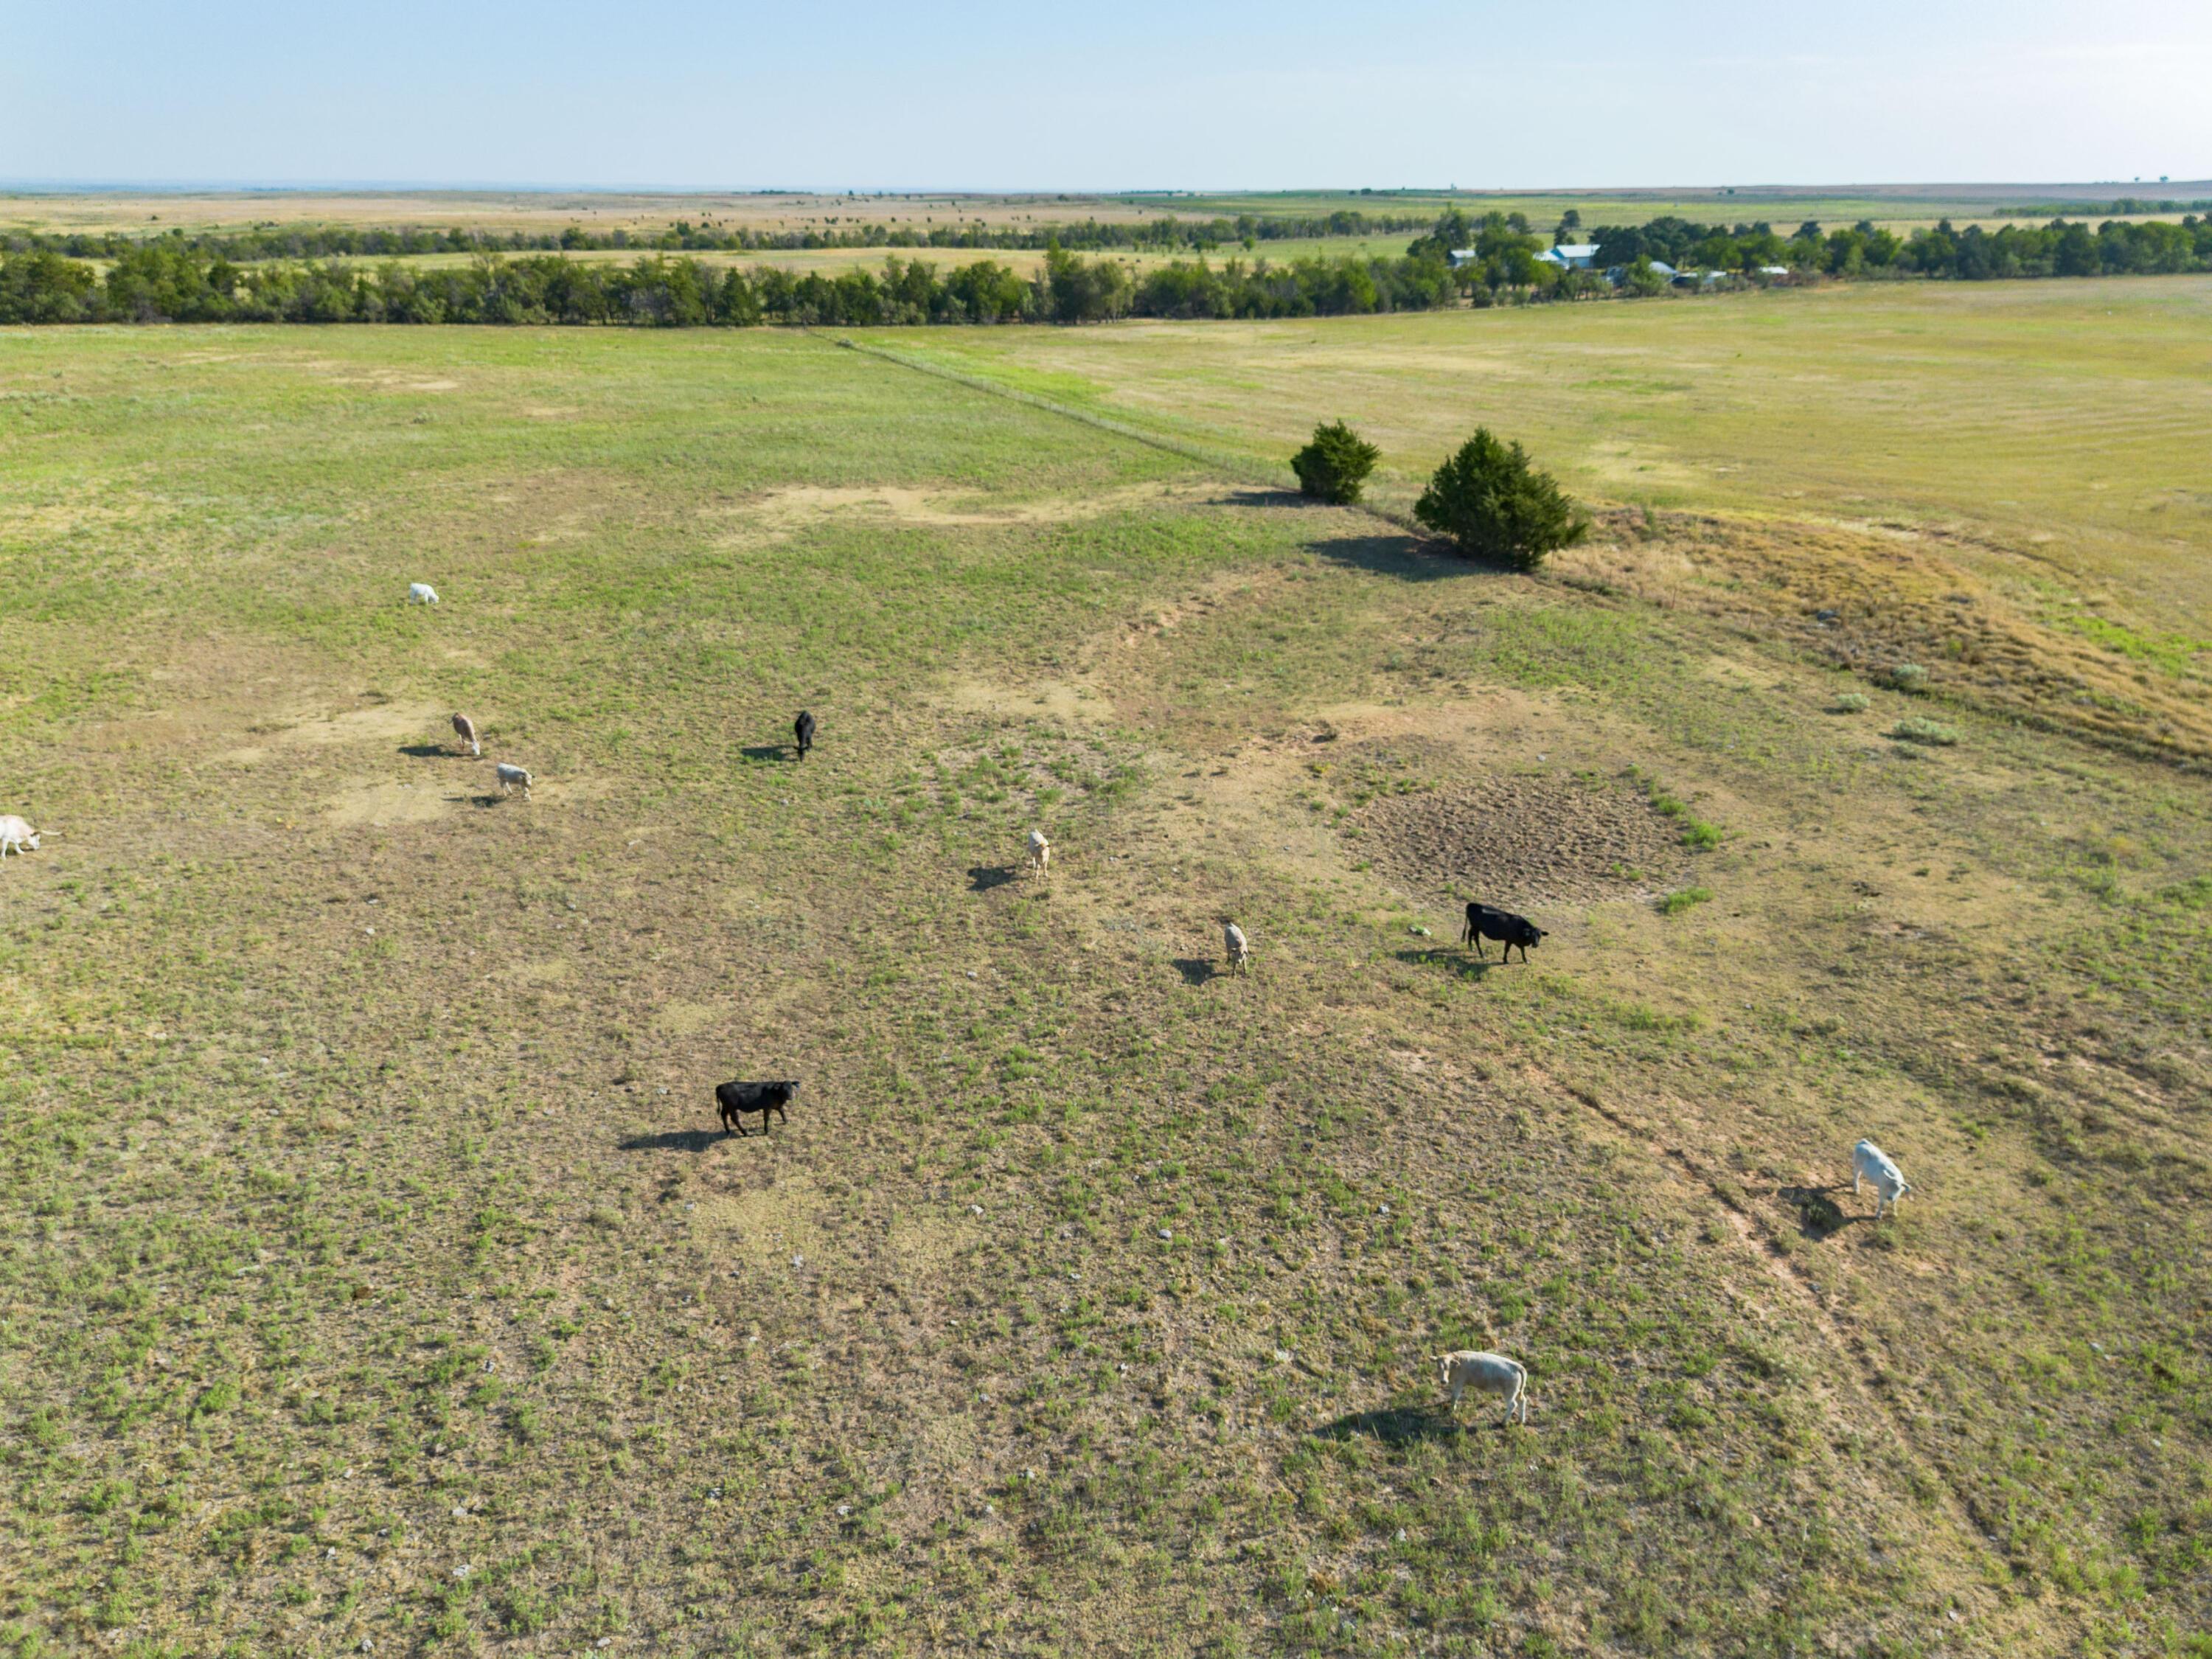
982, 877
1394, 1425
673, 1140
1456, 962
429, 751
1195, 971
1409, 558
761, 753
1819, 1215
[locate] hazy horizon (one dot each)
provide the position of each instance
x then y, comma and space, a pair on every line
557, 187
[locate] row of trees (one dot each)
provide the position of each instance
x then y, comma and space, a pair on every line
168, 280
296, 242
2118, 204
163, 282
2060, 248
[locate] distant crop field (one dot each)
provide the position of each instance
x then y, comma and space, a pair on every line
649, 213
158, 211
377, 1278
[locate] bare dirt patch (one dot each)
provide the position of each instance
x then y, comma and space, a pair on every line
1071, 705
778, 513
389, 721
1512, 836
389, 803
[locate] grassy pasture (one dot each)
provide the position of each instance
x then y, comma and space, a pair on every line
370, 1272
2034, 448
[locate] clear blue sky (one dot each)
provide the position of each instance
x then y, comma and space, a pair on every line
1206, 94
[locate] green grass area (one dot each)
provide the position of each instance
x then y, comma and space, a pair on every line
2059, 419
373, 1271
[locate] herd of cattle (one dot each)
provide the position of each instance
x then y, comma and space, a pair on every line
1485, 1373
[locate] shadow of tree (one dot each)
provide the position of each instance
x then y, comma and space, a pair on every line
673, 1140
1454, 962
1252, 497
1394, 1425
1194, 971
1410, 558
982, 877
1818, 1214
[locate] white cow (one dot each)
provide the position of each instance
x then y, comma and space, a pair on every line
511, 775
465, 730
1040, 851
15, 832
1236, 947
422, 593
1870, 1162
1492, 1373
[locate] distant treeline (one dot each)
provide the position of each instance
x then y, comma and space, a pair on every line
163, 283
2094, 209
1495, 260
2060, 248
684, 236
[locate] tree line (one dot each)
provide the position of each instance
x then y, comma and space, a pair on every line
1498, 261
2060, 248
161, 282
296, 242
2118, 204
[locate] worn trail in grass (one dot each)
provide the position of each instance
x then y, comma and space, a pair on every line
374, 1272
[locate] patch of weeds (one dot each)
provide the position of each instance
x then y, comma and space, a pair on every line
1681, 900
1909, 678
1697, 835
1919, 730
1850, 702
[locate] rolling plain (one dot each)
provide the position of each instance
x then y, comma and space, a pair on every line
374, 1276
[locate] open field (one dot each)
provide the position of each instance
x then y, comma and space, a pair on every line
2039, 444
371, 1272
531, 211
1901, 208
1887, 204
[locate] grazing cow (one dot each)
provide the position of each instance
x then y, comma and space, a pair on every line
1482, 922
1040, 852
465, 730
736, 1099
15, 832
1492, 1373
1236, 947
422, 593
804, 726
1870, 1162
511, 775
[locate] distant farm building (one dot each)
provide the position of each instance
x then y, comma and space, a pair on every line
1571, 256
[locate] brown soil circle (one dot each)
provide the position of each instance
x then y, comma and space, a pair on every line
1510, 838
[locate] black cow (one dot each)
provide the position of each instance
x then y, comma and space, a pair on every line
1484, 921
736, 1099
803, 725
